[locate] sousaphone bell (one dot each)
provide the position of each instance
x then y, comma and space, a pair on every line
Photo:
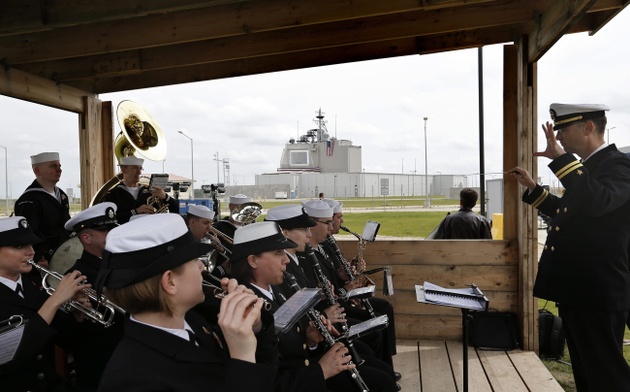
139, 133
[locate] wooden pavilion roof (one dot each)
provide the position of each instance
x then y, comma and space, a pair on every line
117, 45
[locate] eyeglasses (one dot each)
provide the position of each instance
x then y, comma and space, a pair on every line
327, 223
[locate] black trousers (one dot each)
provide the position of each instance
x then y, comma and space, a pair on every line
595, 342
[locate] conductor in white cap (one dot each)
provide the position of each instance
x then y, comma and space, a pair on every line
131, 198
584, 263
44, 205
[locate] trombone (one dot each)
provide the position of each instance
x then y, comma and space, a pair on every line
212, 238
106, 317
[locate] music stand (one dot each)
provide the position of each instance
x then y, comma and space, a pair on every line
466, 299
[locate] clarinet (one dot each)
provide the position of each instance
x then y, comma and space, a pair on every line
330, 297
348, 270
315, 317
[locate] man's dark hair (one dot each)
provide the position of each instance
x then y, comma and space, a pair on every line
468, 197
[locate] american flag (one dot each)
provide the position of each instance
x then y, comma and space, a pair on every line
330, 146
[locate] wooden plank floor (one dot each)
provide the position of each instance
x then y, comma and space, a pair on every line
436, 366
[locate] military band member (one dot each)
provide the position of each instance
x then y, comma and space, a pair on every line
584, 264
199, 220
228, 226
322, 214
379, 305
33, 367
156, 276
131, 197
93, 343
304, 364
45, 206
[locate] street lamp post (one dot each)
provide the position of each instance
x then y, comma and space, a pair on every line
427, 201
192, 166
6, 179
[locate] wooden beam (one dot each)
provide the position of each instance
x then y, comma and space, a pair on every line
249, 66
22, 85
159, 29
90, 148
212, 36
27, 16
554, 23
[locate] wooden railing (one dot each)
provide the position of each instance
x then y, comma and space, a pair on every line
491, 265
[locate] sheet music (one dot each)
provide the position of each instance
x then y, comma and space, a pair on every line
159, 180
295, 308
467, 298
362, 292
368, 326
11, 332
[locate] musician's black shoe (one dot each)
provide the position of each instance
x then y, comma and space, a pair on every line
398, 387
397, 376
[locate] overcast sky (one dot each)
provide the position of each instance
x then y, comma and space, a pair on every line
379, 105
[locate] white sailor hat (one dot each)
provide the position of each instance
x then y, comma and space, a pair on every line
44, 157
200, 211
290, 216
563, 115
147, 247
131, 161
16, 231
336, 206
240, 199
318, 209
98, 217
258, 237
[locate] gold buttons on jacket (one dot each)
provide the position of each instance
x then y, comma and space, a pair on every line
304, 346
297, 329
566, 209
557, 228
557, 211
306, 362
553, 248
545, 247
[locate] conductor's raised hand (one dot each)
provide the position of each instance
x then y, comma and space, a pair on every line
553, 150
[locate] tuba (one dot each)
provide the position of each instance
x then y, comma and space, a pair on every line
139, 134
246, 213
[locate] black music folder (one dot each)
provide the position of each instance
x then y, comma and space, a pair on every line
295, 308
466, 298
11, 332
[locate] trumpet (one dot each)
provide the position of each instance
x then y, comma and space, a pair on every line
106, 317
158, 204
219, 293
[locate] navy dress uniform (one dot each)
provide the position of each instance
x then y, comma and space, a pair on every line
298, 367
33, 367
46, 213
128, 202
584, 263
154, 358
93, 343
